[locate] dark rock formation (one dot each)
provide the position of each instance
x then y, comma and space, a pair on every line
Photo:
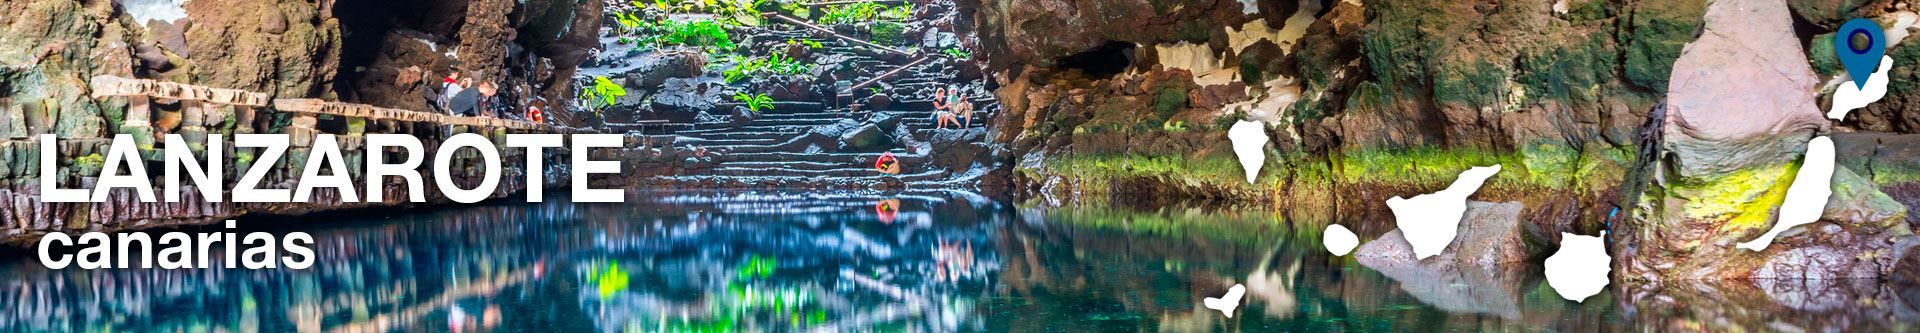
528, 49
387, 53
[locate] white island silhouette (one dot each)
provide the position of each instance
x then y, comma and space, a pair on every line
1430, 221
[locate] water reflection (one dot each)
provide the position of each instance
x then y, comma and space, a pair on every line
670, 261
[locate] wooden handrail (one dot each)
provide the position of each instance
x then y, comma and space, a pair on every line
108, 85
803, 23
895, 71
321, 107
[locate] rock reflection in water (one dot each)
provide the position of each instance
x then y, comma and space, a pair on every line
669, 261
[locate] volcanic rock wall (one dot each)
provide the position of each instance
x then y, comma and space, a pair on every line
1589, 105
384, 53
1358, 95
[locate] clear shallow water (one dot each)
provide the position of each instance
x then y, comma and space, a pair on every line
941, 262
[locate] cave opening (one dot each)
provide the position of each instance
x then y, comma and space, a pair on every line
367, 29
1102, 62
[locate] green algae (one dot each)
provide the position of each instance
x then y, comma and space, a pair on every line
1539, 166
1744, 198
1248, 229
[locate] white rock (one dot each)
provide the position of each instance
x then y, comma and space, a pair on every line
1808, 195
1430, 221
1339, 240
1250, 144
1579, 270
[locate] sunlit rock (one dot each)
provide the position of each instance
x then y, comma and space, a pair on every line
1489, 234
1579, 269
1431, 220
1249, 143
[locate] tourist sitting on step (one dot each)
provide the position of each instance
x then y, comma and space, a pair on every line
962, 108
943, 101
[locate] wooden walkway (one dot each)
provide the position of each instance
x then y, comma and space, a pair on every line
204, 106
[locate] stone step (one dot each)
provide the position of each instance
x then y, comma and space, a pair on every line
745, 141
790, 129
917, 177
787, 165
820, 157
847, 172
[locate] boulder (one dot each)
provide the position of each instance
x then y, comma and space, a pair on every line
1734, 102
688, 96
866, 138
1469, 277
1490, 234
960, 150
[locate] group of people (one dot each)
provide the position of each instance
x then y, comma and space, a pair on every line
459, 96
951, 107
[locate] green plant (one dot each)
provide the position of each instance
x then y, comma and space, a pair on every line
603, 93
957, 53
811, 44
755, 102
851, 13
899, 13
89, 165
1174, 126
704, 33
630, 21
797, 8
735, 13
777, 63
742, 68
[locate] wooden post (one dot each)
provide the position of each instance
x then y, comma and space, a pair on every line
301, 132
243, 119
193, 129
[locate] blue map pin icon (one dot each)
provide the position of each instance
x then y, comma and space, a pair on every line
1861, 60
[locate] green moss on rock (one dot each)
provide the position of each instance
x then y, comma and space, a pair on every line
1827, 13
1905, 76
1659, 30
1569, 73
1476, 83
1821, 54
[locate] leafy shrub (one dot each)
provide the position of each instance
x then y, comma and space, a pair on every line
703, 33
777, 63
603, 92
888, 33
851, 13
957, 53
811, 44
901, 12
755, 102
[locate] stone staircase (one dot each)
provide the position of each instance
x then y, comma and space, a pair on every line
752, 154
